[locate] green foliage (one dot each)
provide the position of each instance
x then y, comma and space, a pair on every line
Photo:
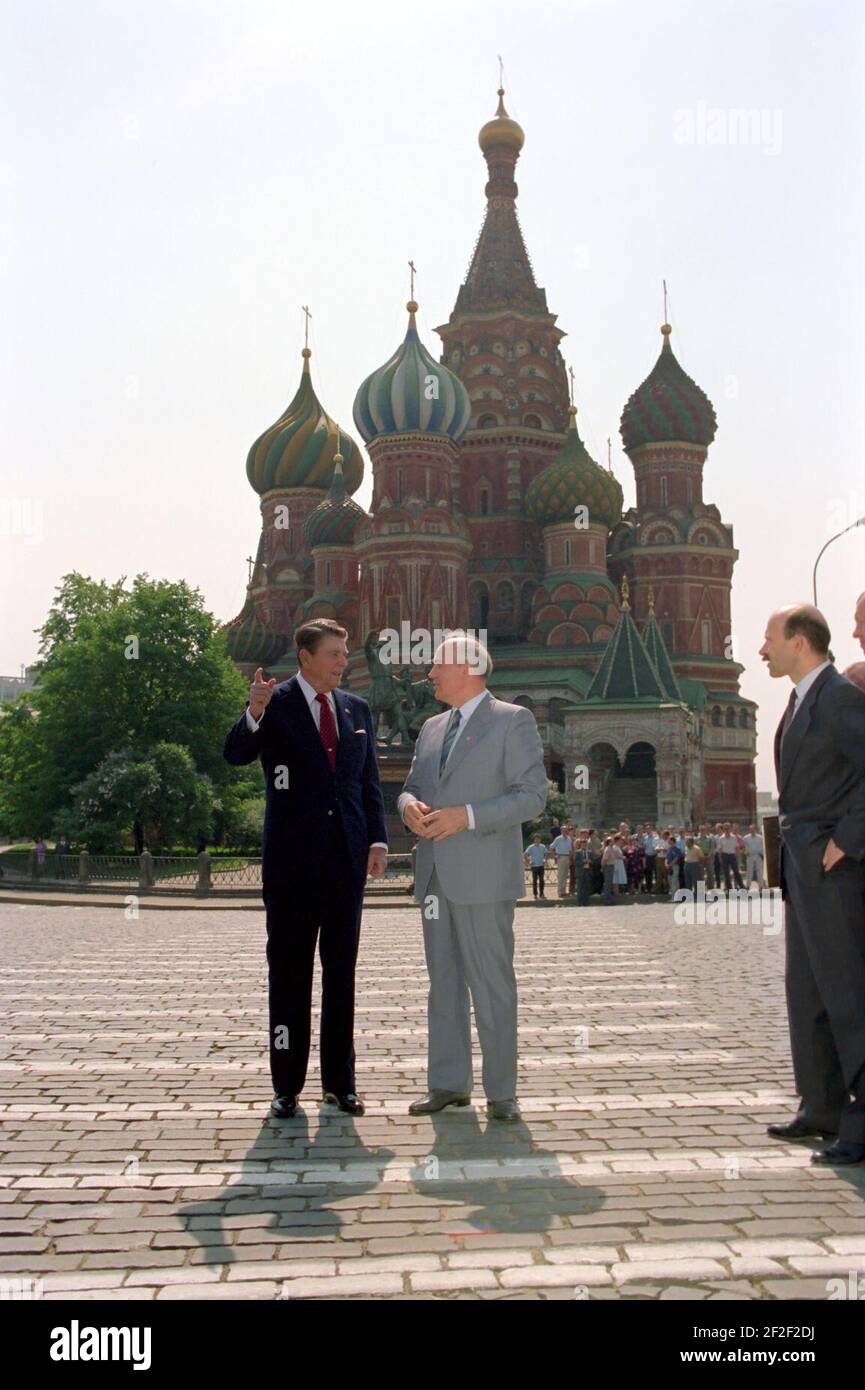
161, 793
245, 826
122, 671
556, 809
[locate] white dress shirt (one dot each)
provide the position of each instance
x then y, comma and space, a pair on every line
804, 685
315, 710
466, 711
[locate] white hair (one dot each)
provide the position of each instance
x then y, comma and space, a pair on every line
469, 649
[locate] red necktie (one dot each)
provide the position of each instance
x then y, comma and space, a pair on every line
327, 729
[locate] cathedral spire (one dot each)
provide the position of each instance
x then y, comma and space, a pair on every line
500, 275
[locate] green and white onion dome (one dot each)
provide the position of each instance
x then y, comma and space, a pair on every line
412, 394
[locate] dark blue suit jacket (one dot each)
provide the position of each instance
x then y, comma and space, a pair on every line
820, 765
298, 817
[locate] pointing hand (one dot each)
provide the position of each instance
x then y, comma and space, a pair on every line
259, 694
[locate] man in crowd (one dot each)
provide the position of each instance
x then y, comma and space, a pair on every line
535, 858
728, 846
707, 847
562, 847
753, 858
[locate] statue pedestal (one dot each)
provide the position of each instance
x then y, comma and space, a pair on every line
394, 762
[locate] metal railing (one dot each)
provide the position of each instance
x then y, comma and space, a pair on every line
198, 874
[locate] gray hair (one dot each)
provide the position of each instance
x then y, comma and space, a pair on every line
469, 649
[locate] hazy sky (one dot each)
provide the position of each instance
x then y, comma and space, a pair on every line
176, 179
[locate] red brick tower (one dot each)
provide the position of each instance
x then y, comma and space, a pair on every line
501, 340
675, 548
414, 545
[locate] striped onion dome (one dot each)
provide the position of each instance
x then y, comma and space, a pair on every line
400, 397
574, 479
669, 406
333, 521
249, 640
298, 450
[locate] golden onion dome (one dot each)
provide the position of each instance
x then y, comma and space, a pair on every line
502, 129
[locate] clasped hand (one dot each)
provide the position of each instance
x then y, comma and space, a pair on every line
436, 825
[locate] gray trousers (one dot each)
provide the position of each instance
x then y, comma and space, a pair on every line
470, 955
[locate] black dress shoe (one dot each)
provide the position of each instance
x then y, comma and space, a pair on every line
840, 1154
437, 1100
503, 1110
797, 1129
350, 1103
284, 1107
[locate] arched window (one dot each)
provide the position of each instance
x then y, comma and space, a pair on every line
484, 501
730, 719
505, 597
532, 422
743, 719
567, 552
716, 718
689, 488
706, 637
398, 484
487, 422
663, 492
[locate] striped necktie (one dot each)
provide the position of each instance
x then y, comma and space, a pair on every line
450, 736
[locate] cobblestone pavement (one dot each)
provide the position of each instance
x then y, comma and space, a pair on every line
139, 1161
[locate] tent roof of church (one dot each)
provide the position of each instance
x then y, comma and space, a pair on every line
626, 671
655, 645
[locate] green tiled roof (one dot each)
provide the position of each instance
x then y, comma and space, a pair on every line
657, 649
626, 671
693, 692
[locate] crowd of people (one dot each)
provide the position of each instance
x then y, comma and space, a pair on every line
644, 859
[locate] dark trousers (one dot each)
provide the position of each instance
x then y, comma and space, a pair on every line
584, 884
538, 881
597, 874
731, 866
825, 979
325, 907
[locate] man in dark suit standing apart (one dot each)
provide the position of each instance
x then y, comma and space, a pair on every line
820, 766
324, 832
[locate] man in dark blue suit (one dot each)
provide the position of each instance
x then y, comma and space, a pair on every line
324, 832
820, 765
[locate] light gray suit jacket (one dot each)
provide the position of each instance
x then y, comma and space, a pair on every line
497, 765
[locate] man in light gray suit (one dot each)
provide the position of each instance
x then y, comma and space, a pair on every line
476, 775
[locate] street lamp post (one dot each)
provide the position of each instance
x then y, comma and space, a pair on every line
853, 524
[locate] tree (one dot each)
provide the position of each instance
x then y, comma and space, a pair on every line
556, 809
159, 799
120, 671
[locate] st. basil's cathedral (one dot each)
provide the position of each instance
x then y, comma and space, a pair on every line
614, 631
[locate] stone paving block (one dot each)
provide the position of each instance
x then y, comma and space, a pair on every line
643, 1160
